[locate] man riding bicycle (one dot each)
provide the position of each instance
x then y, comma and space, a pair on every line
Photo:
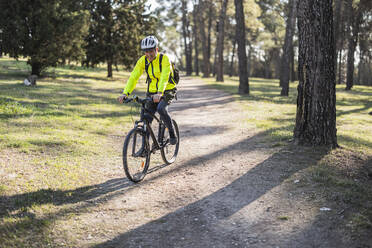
161, 86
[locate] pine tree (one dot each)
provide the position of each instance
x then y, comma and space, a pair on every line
47, 32
115, 32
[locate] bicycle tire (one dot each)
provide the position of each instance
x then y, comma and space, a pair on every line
169, 152
135, 161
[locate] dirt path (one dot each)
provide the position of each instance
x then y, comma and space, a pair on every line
228, 188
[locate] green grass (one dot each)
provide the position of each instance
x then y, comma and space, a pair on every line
344, 176
266, 110
67, 110
68, 117
283, 218
52, 139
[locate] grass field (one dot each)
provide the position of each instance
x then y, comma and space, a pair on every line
54, 136
269, 111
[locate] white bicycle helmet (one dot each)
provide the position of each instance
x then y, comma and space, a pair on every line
149, 42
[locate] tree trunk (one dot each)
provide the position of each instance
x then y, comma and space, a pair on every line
231, 72
360, 66
276, 60
196, 37
214, 66
350, 65
220, 41
109, 68
293, 73
340, 65
337, 27
249, 59
287, 47
186, 38
206, 63
316, 101
267, 68
240, 37
35, 68
210, 18
354, 21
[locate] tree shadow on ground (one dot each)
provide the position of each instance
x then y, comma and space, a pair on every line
34, 230
85, 77
14, 75
52, 100
186, 100
367, 105
199, 224
359, 141
346, 188
189, 131
267, 93
60, 197
85, 199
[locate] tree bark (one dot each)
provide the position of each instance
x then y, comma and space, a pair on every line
354, 21
214, 65
196, 37
240, 37
316, 101
337, 27
210, 18
249, 59
109, 68
206, 63
36, 67
220, 41
287, 47
340, 64
186, 38
293, 73
231, 72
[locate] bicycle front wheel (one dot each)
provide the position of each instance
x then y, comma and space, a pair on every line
169, 152
136, 155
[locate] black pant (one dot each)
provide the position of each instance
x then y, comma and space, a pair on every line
162, 108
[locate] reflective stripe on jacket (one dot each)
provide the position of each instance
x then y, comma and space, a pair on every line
159, 82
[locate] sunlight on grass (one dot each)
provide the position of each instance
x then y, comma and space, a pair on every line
267, 111
55, 138
70, 116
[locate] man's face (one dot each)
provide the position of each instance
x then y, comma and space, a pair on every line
151, 54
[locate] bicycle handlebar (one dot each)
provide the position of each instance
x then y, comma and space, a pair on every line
138, 99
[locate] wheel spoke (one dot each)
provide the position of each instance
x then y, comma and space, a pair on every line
169, 152
135, 155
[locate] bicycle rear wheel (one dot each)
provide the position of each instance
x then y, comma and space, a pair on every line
169, 152
136, 155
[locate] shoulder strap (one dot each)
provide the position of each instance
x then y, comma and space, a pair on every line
148, 77
160, 59
146, 66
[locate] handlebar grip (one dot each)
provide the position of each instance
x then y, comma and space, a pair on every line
128, 100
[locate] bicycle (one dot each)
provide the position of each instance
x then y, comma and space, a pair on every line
137, 149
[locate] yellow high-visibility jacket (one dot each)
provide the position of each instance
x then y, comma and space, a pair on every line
159, 82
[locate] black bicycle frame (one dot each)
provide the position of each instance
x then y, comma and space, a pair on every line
149, 128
